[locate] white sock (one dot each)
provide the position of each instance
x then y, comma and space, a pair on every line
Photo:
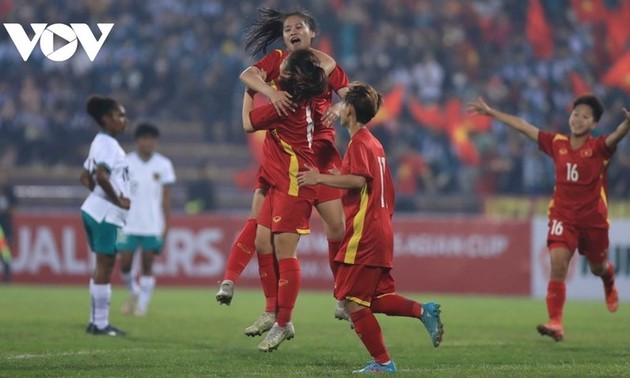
130, 283
100, 296
147, 283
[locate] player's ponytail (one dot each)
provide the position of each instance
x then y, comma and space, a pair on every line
98, 106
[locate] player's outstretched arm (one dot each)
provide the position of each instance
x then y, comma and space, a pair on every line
313, 177
479, 106
613, 138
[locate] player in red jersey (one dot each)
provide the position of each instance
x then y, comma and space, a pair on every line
364, 261
286, 209
578, 212
297, 30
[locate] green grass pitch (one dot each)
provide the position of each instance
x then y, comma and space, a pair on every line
187, 334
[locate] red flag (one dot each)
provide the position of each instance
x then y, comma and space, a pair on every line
430, 116
459, 127
538, 31
392, 104
579, 85
619, 74
589, 10
618, 29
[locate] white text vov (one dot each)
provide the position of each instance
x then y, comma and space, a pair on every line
45, 35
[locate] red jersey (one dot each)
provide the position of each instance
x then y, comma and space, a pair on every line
336, 80
580, 196
369, 238
287, 148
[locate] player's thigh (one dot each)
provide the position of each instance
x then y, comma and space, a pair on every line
593, 244
333, 217
357, 283
561, 234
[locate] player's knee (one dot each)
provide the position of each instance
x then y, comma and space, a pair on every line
263, 245
598, 269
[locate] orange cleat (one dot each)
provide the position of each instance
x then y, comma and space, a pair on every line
612, 298
551, 329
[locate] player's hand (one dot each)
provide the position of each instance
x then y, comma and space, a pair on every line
331, 114
626, 114
479, 106
124, 202
309, 177
334, 171
282, 102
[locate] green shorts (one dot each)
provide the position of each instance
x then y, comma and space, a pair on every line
101, 236
132, 242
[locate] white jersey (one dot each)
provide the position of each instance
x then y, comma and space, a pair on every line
106, 151
147, 178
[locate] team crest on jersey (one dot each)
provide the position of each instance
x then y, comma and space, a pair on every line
563, 151
156, 176
277, 219
586, 153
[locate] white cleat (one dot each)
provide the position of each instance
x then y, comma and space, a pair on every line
341, 313
261, 325
276, 336
226, 292
140, 312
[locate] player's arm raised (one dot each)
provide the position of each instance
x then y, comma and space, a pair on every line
613, 138
479, 106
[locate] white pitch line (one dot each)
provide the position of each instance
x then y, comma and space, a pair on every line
28, 356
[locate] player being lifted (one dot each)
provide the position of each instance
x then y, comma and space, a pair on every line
578, 212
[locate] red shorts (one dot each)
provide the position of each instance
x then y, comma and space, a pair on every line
328, 158
590, 242
261, 183
362, 284
281, 212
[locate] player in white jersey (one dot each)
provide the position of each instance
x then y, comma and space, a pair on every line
105, 209
150, 175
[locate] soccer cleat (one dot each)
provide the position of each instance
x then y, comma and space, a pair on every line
226, 292
431, 319
109, 330
261, 325
130, 304
342, 314
612, 298
551, 329
276, 336
376, 368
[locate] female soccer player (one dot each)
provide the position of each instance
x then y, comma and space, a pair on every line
286, 209
578, 213
150, 175
297, 30
364, 260
105, 209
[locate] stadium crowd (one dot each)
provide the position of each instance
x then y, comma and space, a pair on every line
180, 60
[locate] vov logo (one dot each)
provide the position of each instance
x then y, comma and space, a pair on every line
45, 34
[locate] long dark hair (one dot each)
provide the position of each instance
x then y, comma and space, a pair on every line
268, 28
302, 77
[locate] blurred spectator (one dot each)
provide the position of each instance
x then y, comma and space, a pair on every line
201, 192
180, 60
8, 202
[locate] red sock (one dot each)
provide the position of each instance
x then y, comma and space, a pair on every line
609, 277
556, 294
242, 251
289, 282
269, 280
369, 331
333, 248
396, 305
